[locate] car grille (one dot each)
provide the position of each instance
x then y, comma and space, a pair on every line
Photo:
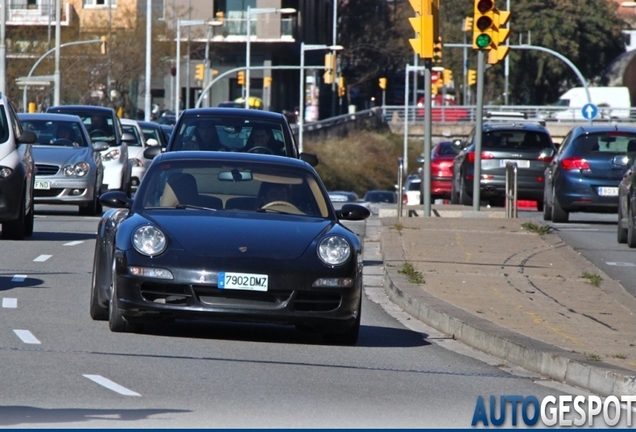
262, 300
46, 170
166, 294
47, 193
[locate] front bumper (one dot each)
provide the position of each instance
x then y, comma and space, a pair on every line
114, 173
66, 191
194, 294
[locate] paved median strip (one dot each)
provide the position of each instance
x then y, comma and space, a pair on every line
110, 385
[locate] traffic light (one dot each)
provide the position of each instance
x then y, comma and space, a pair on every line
382, 82
424, 26
241, 78
483, 24
499, 36
200, 72
267, 82
104, 45
341, 86
448, 76
472, 77
329, 76
437, 51
435, 88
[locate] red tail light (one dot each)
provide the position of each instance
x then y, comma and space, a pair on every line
574, 163
405, 199
545, 158
484, 155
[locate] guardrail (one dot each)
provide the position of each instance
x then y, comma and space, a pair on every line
340, 125
467, 113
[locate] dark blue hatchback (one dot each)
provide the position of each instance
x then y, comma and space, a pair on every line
585, 174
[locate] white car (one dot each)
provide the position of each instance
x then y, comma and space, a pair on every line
136, 151
412, 191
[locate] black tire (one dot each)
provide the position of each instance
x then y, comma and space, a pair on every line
97, 311
454, 198
16, 230
540, 206
464, 198
547, 208
348, 336
90, 209
621, 233
116, 321
30, 220
631, 230
558, 214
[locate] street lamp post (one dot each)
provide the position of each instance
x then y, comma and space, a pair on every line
206, 69
148, 97
301, 105
254, 11
181, 23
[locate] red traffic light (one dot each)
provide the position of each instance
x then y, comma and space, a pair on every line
484, 6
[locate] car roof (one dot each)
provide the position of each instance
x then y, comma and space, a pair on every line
149, 124
49, 117
231, 157
126, 121
603, 128
83, 108
513, 125
234, 112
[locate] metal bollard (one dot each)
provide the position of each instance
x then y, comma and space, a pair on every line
511, 190
400, 187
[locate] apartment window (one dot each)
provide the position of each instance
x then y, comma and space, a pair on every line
99, 3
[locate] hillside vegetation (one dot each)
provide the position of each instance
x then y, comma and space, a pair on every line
362, 161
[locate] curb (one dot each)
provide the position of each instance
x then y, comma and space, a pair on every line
531, 354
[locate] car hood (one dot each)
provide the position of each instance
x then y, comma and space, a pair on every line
264, 235
60, 155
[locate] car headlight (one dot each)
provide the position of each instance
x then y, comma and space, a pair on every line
111, 155
80, 169
136, 162
5, 172
149, 240
334, 250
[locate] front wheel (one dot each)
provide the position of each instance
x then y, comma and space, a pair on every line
116, 321
16, 229
349, 336
464, 198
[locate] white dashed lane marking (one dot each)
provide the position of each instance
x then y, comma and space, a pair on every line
74, 243
110, 385
42, 258
18, 278
26, 336
8, 302
620, 264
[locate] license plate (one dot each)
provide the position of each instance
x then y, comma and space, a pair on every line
608, 191
42, 185
520, 163
242, 281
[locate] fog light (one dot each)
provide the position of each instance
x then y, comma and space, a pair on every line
333, 283
77, 192
150, 272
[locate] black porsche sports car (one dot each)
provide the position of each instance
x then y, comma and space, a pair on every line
229, 236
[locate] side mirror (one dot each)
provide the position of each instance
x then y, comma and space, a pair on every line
27, 137
353, 212
128, 137
152, 151
100, 146
152, 142
116, 199
310, 158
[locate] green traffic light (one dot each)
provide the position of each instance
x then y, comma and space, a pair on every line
483, 40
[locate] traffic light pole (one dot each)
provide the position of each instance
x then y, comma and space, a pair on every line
428, 128
478, 127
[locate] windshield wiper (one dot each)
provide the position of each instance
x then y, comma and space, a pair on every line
193, 207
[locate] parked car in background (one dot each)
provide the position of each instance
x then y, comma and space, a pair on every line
412, 193
139, 163
587, 170
154, 131
380, 196
69, 165
235, 130
442, 157
287, 260
17, 174
103, 125
343, 197
524, 142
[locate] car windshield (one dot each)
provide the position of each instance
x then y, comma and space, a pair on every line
380, 197
56, 133
515, 140
614, 142
230, 134
448, 148
241, 186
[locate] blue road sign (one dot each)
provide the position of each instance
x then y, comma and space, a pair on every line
589, 111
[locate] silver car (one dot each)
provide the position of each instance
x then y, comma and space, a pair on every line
69, 166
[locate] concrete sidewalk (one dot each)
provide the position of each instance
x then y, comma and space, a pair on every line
507, 291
